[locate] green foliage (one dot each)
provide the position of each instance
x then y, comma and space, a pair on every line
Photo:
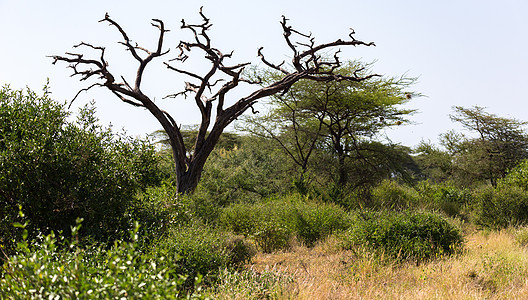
444, 197
59, 170
434, 163
195, 248
159, 208
406, 235
391, 195
272, 224
249, 173
59, 269
500, 207
518, 176
501, 144
339, 120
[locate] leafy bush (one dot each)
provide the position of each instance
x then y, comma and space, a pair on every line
443, 197
195, 249
406, 235
59, 170
505, 205
500, 207
46, 271
250, 172
517, 176
391, 195
273, 223
159, 208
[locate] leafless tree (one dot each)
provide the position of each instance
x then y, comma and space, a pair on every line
307, 63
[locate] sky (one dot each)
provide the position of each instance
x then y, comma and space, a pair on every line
464, 52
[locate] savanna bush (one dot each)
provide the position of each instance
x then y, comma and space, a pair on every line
55, 268
444, 197
159, 208
273, 223
58, 170
250, 172
391, 195
403, 235
506, 204
500, 207
198, 249
517, 176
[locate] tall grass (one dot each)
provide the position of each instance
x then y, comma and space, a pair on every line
492, 266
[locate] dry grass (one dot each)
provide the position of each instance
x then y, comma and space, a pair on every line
493, 266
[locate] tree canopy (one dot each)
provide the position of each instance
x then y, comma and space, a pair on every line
340, 117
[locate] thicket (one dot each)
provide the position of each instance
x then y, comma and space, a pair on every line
507, 203
58, 170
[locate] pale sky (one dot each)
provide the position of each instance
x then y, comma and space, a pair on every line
465, 52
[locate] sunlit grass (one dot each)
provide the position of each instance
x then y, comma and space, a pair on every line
493, 265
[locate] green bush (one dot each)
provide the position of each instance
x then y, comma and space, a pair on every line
505, 205
49, 270
500, 207
159, 208
250, 172
443, 197
260, 221
405, 235
195, 248
518, 176
275, 222
391, 195
59, 170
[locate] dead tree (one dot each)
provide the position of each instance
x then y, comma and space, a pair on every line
307, 63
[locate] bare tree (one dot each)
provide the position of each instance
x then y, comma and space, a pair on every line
307, 63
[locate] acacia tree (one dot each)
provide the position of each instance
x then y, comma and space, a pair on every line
340, 117
208, 89
501, 144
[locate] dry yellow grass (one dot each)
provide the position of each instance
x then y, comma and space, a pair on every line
492, 266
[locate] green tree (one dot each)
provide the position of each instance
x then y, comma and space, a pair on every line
500, 145
58, 170
338, 117
433, 162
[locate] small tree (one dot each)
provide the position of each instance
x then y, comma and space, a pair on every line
207, 90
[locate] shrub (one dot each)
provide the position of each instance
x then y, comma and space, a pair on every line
391, 195
443, 197
518, 176
260, 221
406, 235
249, 172
500, 207
315, 221
273, 224
46, 271
196, 249
160, 207
59, 170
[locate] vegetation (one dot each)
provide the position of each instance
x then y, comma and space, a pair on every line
58, 170
308, 201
